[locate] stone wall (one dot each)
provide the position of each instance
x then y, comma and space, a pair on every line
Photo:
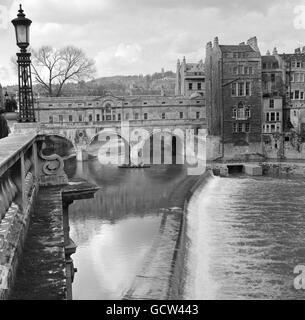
288, 146
14, 230
283, 169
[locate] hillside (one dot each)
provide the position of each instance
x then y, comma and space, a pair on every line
122, 85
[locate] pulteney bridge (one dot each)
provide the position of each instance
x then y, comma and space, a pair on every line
143, 135
83, 120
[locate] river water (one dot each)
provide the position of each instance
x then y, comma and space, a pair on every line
246, 237
115, 231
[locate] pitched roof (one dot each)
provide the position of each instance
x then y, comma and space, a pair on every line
236, 48
193, 67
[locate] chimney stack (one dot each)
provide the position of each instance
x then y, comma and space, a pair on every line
274, 51
216, 42
268, 53
209, 45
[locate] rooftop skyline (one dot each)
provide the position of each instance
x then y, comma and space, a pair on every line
143, 36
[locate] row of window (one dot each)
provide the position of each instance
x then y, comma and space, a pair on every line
240, 89
270, 128
113, 117
79, 104
270, 65
272, 116
239, 127
194, 73
241, 113
236, 55
193, 87
298, 77
239, 70
297, 64
297, 95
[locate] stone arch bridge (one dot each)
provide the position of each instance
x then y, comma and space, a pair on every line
135, 133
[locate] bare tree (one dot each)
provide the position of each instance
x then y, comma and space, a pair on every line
52, 68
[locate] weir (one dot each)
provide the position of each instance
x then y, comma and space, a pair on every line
25, 175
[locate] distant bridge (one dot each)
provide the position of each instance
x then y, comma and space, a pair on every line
83, 134
83, 120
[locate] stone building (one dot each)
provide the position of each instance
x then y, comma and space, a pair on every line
190, 79
294, 77
273, 82
110, 108
234, 97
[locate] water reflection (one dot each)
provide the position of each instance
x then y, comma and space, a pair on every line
115, 230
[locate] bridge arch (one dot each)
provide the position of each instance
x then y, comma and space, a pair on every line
105, 146
164, 146
63, 148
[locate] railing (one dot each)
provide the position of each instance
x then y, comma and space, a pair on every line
18, 186
23, 168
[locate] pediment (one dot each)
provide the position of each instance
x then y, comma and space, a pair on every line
109, 100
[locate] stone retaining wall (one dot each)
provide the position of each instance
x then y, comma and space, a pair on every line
283, 168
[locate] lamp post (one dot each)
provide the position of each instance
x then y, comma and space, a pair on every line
26, 101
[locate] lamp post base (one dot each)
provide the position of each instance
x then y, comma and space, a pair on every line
26, 101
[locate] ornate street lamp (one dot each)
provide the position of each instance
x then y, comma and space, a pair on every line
26, 101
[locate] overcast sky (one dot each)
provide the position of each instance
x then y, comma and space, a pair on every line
143, 36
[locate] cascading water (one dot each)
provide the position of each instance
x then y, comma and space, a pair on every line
246, 235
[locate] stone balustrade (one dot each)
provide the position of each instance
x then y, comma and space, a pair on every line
18, 188
23, 168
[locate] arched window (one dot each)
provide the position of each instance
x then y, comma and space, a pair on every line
108, 107
241, 112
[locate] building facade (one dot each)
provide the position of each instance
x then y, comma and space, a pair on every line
234, 97
110, 109
273, 82
190, 79
294, 77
